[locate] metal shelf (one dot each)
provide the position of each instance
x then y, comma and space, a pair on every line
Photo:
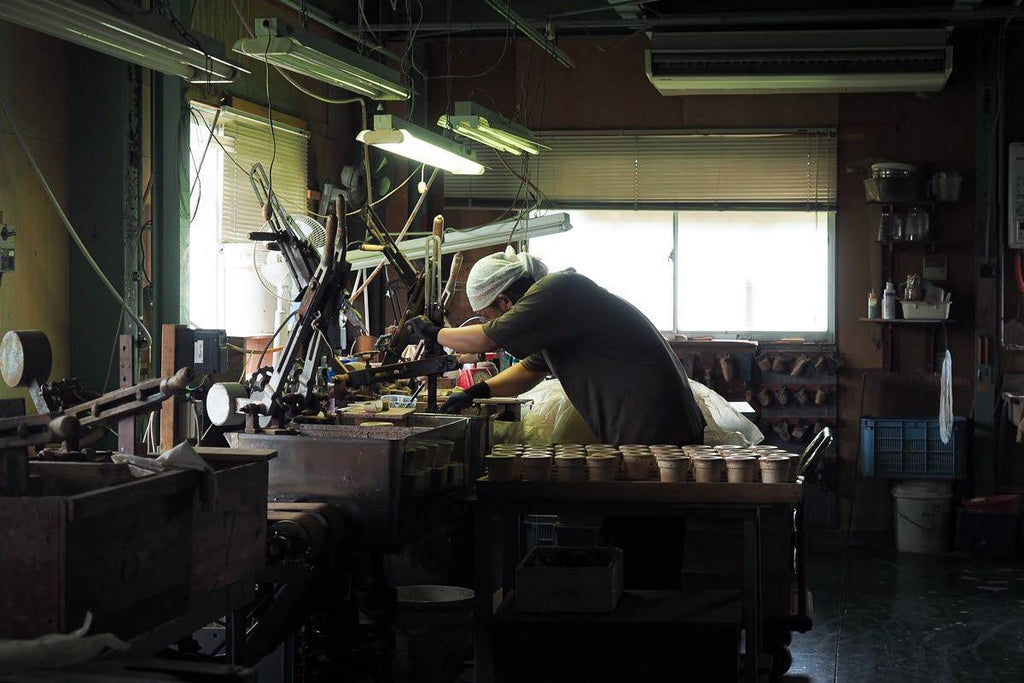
901, 321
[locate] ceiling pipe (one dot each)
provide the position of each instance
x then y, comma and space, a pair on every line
321, 17
522, 24
732, 19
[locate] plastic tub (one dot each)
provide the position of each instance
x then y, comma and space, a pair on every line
919, 310
921, 509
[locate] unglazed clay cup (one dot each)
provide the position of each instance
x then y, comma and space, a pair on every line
707, 469
637, 465
571, 467
536, 467
602, 466
673, 468
794, 465
774, 469
740, 468
502, 467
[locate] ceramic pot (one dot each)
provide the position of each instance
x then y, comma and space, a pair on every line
502, 467
707, 469
637, 465
536, 467
673, 468
774, 469
571, 467
740, 468
602, 467
794, 465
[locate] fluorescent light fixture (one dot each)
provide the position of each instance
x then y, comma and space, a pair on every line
488, 128
310, 55
393, 134
493, 235
124, 31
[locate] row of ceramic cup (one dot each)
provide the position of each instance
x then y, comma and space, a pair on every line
602, 462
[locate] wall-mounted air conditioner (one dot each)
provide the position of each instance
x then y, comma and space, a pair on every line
750, 63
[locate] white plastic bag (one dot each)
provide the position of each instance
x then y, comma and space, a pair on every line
554, 419
725, 424
946, 400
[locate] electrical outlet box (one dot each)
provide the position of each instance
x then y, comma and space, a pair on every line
6, 248
1015, 195
206, 351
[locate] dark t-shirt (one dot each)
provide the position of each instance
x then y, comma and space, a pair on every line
615, 366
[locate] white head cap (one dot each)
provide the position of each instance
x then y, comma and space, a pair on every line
492, 275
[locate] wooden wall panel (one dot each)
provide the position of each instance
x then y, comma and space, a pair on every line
34, 85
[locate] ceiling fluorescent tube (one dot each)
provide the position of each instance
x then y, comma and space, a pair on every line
126, 32
492, 235
400, 137
306, 54
488, 128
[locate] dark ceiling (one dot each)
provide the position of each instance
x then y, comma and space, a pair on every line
574, 16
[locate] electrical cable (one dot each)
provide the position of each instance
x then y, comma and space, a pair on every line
263, 353
113, 349
71, 229
270, 117
398, 238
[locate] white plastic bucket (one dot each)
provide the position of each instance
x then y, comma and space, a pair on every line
921, 509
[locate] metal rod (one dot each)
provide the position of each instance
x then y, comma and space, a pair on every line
942, 14
322, 17
675, 273
521, 23
401, 235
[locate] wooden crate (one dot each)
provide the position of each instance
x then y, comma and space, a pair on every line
579, 589
135, 552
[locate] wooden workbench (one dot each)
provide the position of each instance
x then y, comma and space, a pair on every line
499, 506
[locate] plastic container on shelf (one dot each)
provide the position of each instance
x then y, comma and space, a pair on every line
921, 310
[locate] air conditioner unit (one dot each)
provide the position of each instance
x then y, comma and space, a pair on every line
754, 63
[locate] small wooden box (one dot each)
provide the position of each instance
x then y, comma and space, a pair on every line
578, 580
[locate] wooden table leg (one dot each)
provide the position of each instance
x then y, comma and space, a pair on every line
752, 592
483, 587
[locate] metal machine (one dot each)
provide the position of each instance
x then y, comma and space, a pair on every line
63, 416
297, 386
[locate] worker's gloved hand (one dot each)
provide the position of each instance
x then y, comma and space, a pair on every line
464, 399
422, 328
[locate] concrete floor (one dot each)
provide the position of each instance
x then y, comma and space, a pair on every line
899, 617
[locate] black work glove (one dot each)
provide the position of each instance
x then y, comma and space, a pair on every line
464, 399
422, 328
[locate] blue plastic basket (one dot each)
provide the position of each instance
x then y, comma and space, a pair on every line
912, 449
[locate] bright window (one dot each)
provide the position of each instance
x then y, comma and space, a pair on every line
754, 274
235, 284
629, 253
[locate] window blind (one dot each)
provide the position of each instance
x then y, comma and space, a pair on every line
782, 169
247, 138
